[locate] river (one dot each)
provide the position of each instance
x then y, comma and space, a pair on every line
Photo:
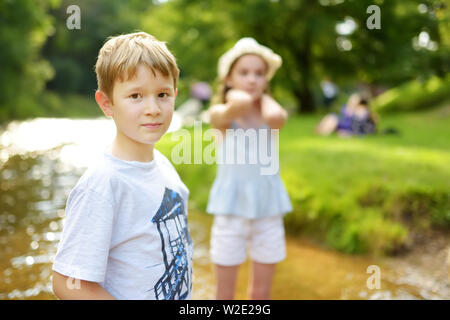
42, 159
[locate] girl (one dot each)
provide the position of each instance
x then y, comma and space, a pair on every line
247, 205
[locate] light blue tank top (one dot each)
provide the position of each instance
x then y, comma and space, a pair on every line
248, 182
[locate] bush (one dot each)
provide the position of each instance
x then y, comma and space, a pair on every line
414, 95
52, 104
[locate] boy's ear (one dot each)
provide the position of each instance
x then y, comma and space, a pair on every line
176, 92
104, 103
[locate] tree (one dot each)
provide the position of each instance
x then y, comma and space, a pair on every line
197, 32
24, 27
305, 33
73, 53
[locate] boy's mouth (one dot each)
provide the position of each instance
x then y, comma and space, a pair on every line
152, 125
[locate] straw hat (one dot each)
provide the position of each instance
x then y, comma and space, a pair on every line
249, 46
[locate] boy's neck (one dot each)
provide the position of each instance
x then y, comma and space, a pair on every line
128, 150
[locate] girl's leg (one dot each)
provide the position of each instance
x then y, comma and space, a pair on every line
261, 281
226, 281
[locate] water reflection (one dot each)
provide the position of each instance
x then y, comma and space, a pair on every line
31, 203
41, 161
73, 142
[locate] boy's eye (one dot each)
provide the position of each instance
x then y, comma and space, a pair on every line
163, 95
135, 96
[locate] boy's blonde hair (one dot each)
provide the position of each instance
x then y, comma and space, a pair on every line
120, 56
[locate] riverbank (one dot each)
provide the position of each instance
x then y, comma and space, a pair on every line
426, 265
312, 271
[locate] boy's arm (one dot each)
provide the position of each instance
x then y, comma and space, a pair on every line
66, 288
273, 114
238, 103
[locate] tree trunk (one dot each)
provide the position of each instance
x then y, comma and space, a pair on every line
303, 92
305, 98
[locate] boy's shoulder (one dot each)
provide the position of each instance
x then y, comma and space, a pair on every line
162, 160
167, 166
98, 177
106, 176
103, 171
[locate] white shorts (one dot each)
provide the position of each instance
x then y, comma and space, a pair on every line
231, 235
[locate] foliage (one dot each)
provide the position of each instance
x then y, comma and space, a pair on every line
24, 27
413, 42
304, 33
73, 53
414, 95
68, 105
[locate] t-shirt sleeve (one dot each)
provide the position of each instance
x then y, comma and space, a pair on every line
86, 239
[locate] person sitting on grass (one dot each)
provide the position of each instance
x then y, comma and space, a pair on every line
355, 118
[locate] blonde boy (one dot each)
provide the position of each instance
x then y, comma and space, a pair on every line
126, 234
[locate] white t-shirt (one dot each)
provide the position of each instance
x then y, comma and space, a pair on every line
126, 228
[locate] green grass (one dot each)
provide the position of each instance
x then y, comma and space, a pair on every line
360, 195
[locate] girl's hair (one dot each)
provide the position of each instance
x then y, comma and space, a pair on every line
223, 88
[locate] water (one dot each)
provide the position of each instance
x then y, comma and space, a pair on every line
40, 162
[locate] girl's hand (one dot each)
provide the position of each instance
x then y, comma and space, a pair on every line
238, 103
239, 99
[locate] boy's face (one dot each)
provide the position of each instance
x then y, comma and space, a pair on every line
143, 106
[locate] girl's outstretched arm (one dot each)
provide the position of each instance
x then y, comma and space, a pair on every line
238, 103
273, 114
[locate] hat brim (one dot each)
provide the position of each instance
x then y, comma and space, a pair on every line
249, 46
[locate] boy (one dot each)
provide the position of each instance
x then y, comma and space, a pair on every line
126, 233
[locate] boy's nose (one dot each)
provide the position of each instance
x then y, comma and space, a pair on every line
152, 108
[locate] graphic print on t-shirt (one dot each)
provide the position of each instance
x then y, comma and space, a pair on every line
171, 221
